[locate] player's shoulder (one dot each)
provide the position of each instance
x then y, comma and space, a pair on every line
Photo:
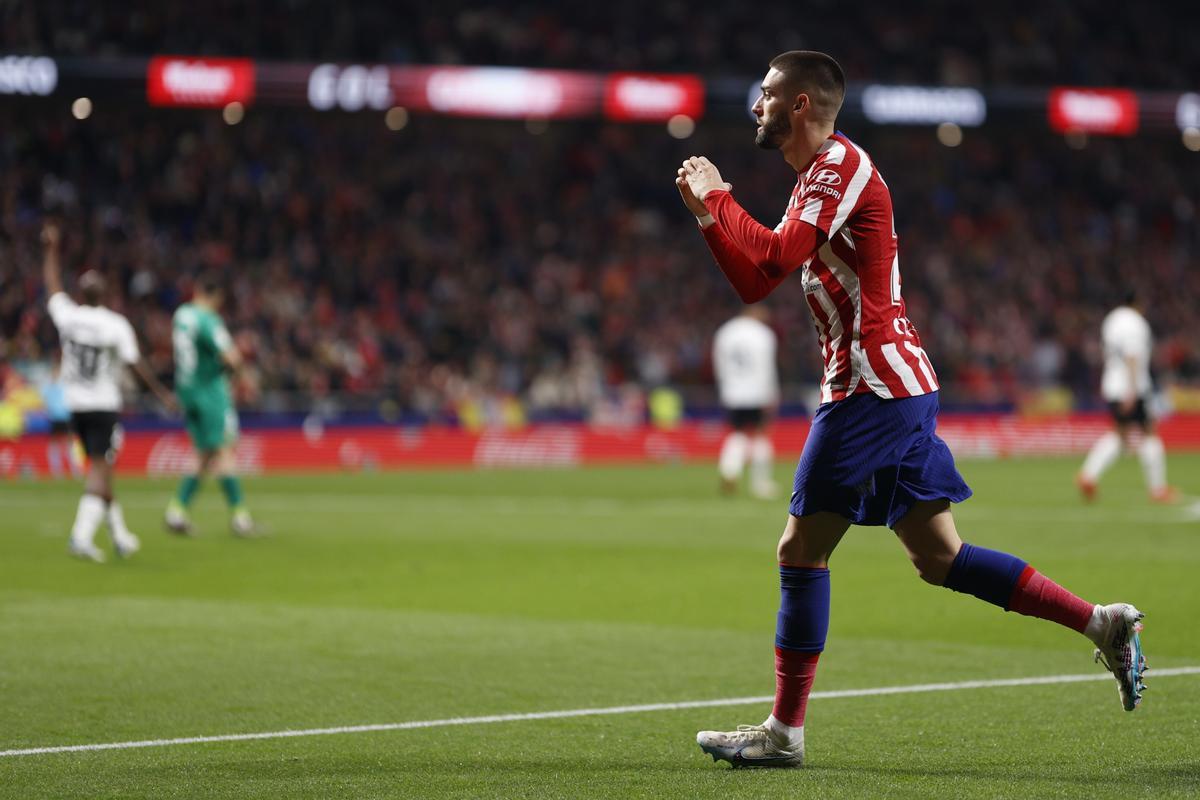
186, 313
114, 319
60, 301
840, 151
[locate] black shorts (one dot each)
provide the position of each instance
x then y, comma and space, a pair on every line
1137, 414
60, 426
99, 432
744, 418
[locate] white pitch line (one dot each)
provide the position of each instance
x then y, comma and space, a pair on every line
586, 712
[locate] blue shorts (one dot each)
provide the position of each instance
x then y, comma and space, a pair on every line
869, 460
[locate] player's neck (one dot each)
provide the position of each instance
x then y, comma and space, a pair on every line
804, 144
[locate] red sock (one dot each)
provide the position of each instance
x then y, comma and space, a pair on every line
794, 673
1035, 595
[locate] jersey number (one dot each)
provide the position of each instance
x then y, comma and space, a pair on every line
87, 360
185, 351
901, 324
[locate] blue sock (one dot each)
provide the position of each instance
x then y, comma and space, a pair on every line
988, 574
803, 620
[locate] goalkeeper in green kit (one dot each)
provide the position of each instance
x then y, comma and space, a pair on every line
204, 353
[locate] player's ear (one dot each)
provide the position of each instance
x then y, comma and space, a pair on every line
802, 102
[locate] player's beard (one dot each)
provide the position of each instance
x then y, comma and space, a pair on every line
774, 131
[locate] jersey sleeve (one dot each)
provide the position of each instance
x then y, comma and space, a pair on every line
61, 307
754, 258
127, 345
221, 339
832, 189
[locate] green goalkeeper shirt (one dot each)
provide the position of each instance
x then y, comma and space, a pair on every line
199, 337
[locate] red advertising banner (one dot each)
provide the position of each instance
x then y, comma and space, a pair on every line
199, 82
566, 445
1106, 111
642, 97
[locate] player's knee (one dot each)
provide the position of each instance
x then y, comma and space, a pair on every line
783, 552
932, 567
792, 549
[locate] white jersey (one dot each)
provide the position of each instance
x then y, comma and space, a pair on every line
97, 344
744, 363
1126, 336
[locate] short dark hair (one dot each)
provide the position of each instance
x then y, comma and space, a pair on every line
815, 74
208, 283
92, 287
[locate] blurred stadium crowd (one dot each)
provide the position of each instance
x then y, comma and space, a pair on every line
508, 268
1048, 42
462, 262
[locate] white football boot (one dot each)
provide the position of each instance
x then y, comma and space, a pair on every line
176, 519
749, 746
127, 545
243, 525
87, 552
1119, 649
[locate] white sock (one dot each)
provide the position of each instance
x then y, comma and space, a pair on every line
761, 454
1102, 455
1096, 625
733, 455
1154, 462
87, 519
116, 525
784, 735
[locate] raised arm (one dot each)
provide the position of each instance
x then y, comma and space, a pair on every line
52, 258
753, 257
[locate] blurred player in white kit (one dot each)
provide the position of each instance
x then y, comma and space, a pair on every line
748, 384
97, 345
1126, 388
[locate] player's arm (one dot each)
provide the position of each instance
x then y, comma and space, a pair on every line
231, 357
130, 354
147, 376
753, 257
52, 258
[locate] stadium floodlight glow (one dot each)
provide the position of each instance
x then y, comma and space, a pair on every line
81, 108
950, 134
923, 105
29, 75
681, 126
396, 118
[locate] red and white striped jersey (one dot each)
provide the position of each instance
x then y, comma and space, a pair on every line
852, 284
849, 267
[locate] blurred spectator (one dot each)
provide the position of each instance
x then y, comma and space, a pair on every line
935, 41
458, 265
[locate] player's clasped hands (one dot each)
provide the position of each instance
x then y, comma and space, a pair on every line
695, 179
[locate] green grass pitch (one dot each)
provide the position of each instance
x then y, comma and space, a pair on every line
386, 598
